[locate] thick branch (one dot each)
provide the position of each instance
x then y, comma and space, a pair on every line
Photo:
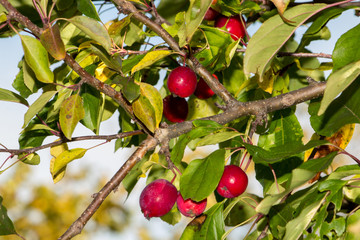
110, 186
128, 8
257, 108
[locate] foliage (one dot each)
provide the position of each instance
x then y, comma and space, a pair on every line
83, 71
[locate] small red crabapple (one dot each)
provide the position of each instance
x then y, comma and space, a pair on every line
182, 81
234, 25
175, 108
190, 208
203, 91
158, 198
233, 182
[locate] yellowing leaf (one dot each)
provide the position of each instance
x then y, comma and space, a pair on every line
149, 59
55, 152
51, 40
340, 139
71, 112
66, 157
149, 106
36, 57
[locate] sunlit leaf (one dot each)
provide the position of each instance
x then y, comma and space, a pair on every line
295, 227
272, 35
94, 29
31, 159
337, 82
37, 106
346, 48
71, 112
88, 9
37, 58
55, 151
150, 58
66, 157
343, 110
199, 108
149, 106
193, 18
9, 96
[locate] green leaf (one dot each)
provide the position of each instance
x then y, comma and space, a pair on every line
202, 176
6, 225
66, 157
284, 128
71, 112
88, 9
345, 171
216, 56
172, 217
318, 26
51, 40
295, 227
210, 225
93, 29
149, 106
202, 128
29, 78
277, 153
135, 174
31, 159
37, 106
112, 61
9, 96
215, 138
129, 88
92, 104
346, 48
200, 108
337, 82
36, 57
298, 177
272, 35
150, 58
193, 18
352, 226
169, 8
238, 210
343, 110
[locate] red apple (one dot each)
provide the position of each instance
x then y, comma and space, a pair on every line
175, 108
182, 81
190, 208
203, 91
234, 25
233, 182
158, 198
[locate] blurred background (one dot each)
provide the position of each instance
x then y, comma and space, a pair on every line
41, 209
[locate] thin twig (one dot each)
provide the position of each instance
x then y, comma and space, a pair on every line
110, 186
74, 139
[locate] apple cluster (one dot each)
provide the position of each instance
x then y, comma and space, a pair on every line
159, 196
182, 83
